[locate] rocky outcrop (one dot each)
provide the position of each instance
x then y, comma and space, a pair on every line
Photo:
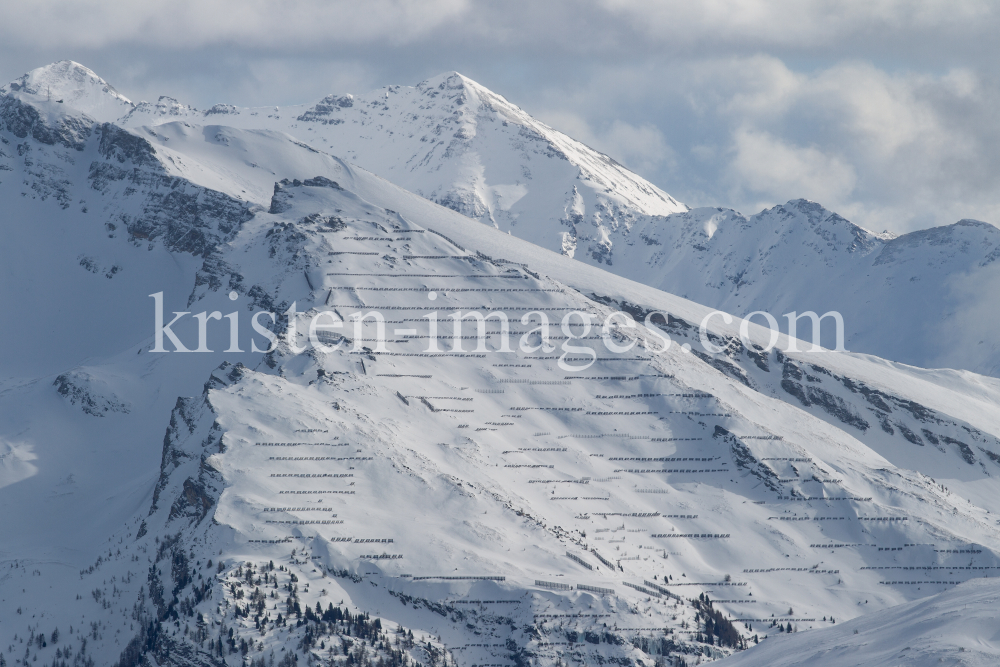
91, 395
23, 120
188, 481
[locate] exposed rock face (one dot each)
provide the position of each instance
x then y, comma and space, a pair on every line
183, 216
92, 396
23, 119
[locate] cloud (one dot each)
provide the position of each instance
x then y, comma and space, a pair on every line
901, 144
642, 148
290, 26
627, 28
765, 165
796, 23
896, 150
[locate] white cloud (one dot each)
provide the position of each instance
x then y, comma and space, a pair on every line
293, 25
767, 166
642, 148
896, 150
796, 23
902, 144
627, 28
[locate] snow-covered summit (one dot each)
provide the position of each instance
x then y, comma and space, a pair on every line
839, 233
465, 147
966, 238
498, 151
71, 83
920, 298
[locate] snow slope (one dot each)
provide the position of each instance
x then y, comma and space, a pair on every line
923, 298
465, 147
957, 627
792, 487
418, 450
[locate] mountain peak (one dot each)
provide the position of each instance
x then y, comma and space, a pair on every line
73, 84
966, 236
452, 79
802, 215
464, 91
970, 222
468, 148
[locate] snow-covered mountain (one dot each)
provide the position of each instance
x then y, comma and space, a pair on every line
502, 509
923, 298
465, 147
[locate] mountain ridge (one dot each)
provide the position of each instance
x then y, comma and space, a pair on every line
764, 473
462, 146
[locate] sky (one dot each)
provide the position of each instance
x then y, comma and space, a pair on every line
884, 111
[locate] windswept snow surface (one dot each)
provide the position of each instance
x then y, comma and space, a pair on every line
957, 627
505, 509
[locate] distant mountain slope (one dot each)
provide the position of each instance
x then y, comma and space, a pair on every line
797, 484
923, 298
